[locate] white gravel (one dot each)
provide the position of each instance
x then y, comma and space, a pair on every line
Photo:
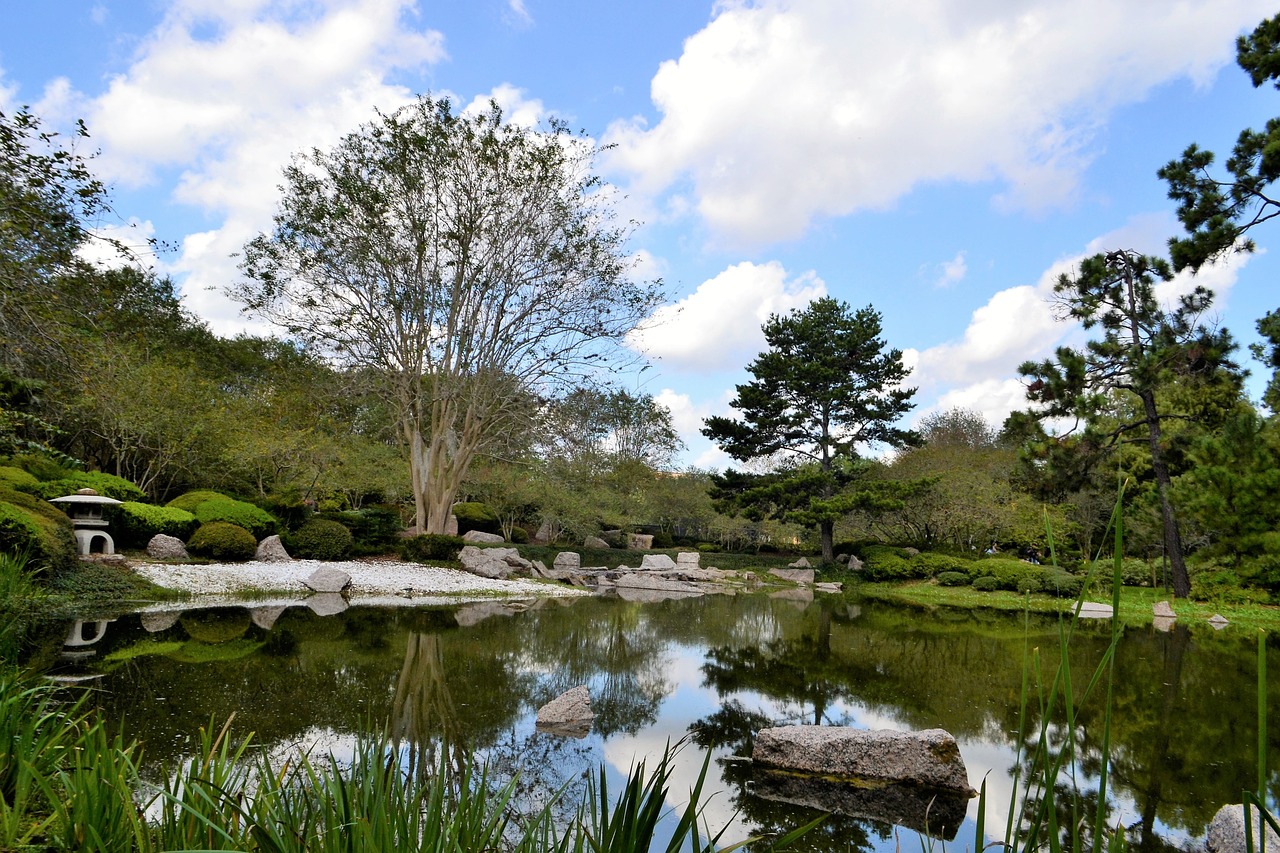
377, 579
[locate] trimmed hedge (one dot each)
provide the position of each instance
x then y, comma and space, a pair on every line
190, 500
430, 547
932, 564
220, 540
476, 516
29, 525
209, 506
322, 539
16, 478
1018, 576
135, 523
107, 485
953, 579
986, 583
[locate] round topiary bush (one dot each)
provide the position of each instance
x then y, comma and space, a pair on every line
519, 536
190, 500
220, 540
986, 583
430, 547
254, 519
931, 564
322, 539
38, 529
135, 523
953, 579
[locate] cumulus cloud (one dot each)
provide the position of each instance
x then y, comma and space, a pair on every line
779, 111
1025, 322
717, 327
952, 271
227, 91
518, 14
114, 246
516, 108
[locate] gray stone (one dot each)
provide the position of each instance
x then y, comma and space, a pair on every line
271, 550
929, 757
327, 603
802, 563
1164, 609
688, 559
855, 565
498, 563
829, 587
637, 580
911, 552
1218, 621
163, 547
451, 526
594, 542
659, 562
479, 536
652, 596
842, 558
328, 580
540, 569
470, 614
569, 714
794, 575
154, 623
265, 617
639, 542
543, 534
1095, 610
1226, 831
568, 561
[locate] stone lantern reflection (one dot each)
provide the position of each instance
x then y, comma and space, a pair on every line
85, 508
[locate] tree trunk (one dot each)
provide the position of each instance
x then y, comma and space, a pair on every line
826, 529
1172, 538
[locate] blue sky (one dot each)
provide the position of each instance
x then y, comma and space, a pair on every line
941, 161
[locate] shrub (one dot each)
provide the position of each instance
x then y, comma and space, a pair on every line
135, 523
430, 547
708, 548
38, 529
662, 540
931, 564
322, 539
519, 536
1061, 584
374, 530
190, 500
221, 540
886, 567
953, 579
16, 478
1137, 572
476, 516
986, 583
42, 467
107, 485
254, 519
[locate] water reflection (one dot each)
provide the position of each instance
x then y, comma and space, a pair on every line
715, 668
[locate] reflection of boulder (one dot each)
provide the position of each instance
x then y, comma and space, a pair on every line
928, 758
327, 603
568, 715
802, 595
926, 810
265, 617
217, 625
469, 614
162, 620
637, 586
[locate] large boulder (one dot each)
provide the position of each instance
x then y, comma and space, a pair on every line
688, 559
660, 562
163, 547
328, 580
594, 542
639, 542
794, 575
569, 714
479, 536
930, 757
567, 561
500, 563
271, 550
1095, 610
1226, 831
802, 563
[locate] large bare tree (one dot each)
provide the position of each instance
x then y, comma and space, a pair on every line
469, 262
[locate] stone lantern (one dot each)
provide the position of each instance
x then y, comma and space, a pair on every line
85, 508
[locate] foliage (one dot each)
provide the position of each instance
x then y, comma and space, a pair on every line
189, 501
374, 529
954, 578
254, 519
986, 583
826, 386
473, 515
37, 529
16, 478
596, 429
374, 251
107, 485
322, 539
929, 564
1142, 349
223, 541
133, 523
99, 582
430, 547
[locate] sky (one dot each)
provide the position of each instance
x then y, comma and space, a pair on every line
942, 161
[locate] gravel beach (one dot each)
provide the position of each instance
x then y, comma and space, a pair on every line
373, 579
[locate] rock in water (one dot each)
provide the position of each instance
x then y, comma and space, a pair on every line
568, 714
929, 757
1226, 831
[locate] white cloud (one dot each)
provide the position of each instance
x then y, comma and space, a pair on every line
516, 108
227, 91
717, 327
133, 236
952, 271
779, 111
518, 14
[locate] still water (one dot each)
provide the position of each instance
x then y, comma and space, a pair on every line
713, 669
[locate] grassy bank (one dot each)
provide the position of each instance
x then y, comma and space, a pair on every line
1136, 603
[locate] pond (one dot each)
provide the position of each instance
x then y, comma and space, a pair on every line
714, 668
